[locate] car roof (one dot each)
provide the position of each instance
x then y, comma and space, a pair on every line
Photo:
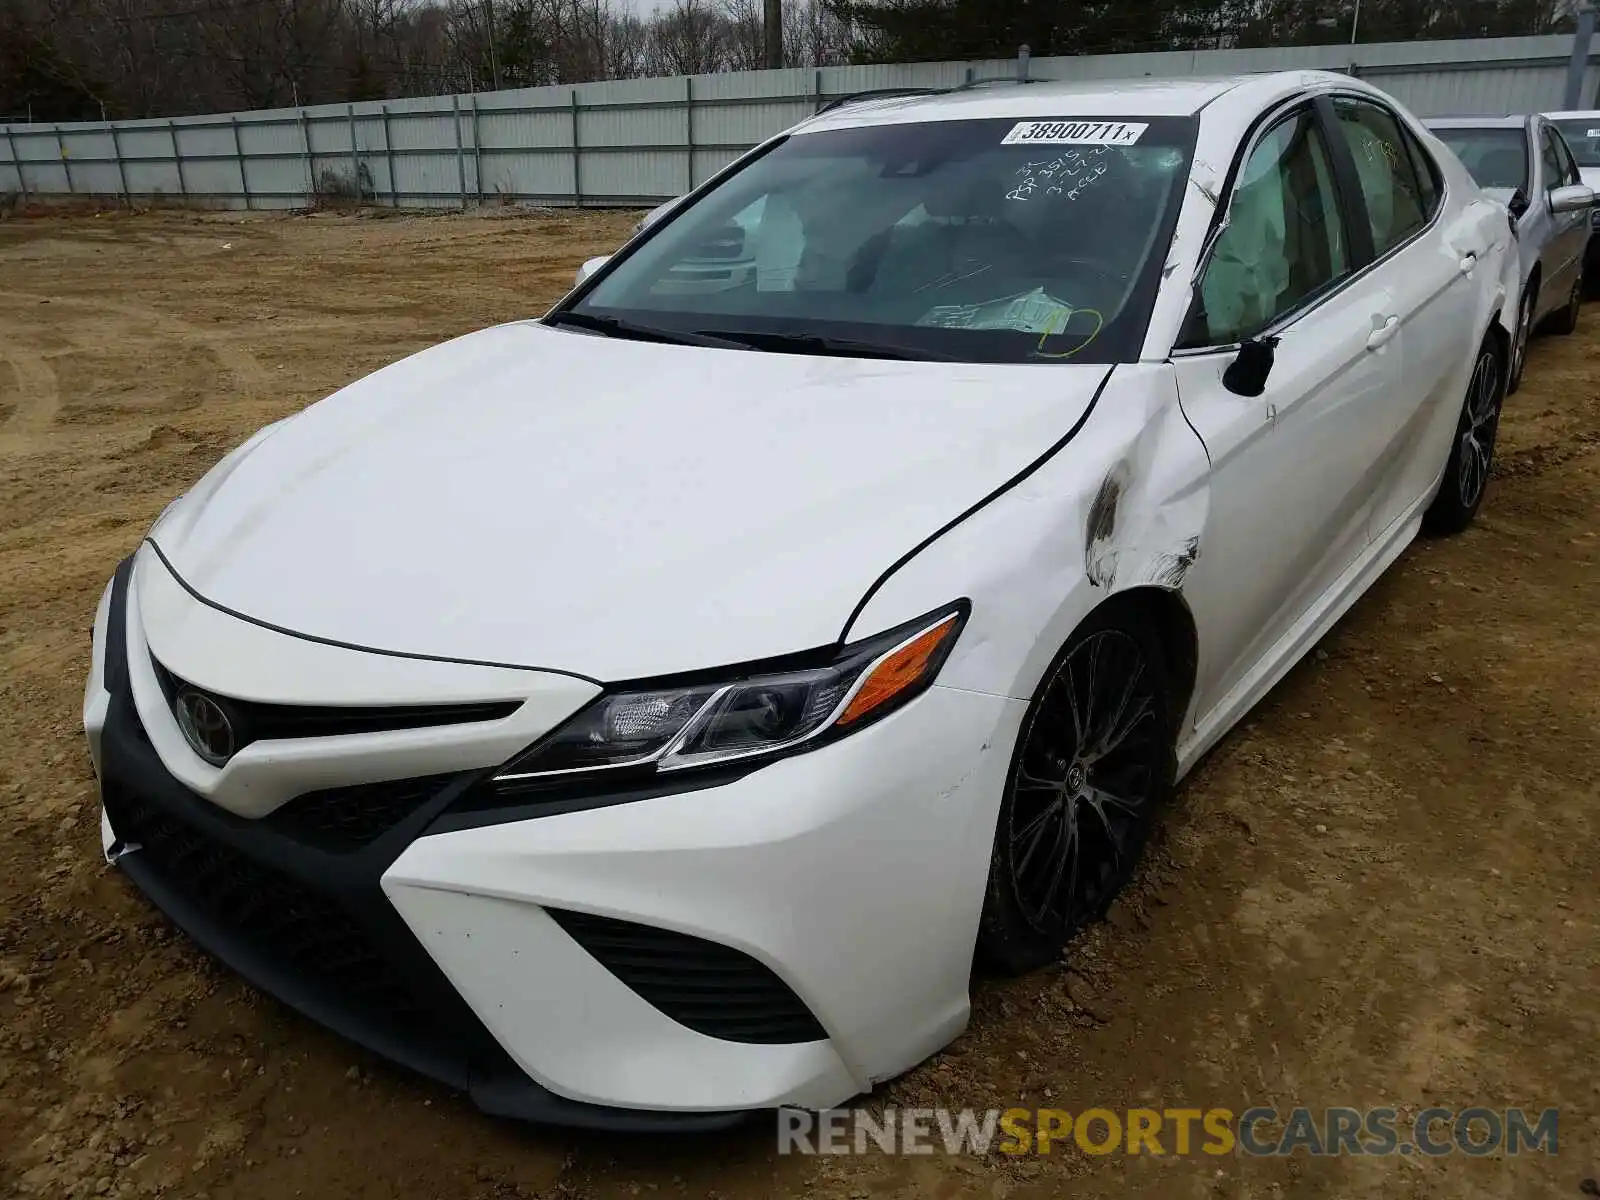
1518, 121
1143, 96
1569, 113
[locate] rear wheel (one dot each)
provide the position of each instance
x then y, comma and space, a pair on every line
1093, 763
1466, 474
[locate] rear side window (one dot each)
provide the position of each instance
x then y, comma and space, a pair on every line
1397, 206
1283, 242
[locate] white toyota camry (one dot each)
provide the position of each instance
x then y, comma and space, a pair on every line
643, 714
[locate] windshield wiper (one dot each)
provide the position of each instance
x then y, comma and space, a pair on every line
813, 343
617, 327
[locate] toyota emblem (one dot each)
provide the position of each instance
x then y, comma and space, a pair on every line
206, 726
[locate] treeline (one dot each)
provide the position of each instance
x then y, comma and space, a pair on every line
63, 60
913, 30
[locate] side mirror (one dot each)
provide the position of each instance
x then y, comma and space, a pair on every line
1574, 198
590, 267
1518, 204
1247, 374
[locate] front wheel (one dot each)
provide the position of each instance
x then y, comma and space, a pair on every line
1093, 762
1466, 474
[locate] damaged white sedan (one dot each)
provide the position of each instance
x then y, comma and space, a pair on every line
643, 714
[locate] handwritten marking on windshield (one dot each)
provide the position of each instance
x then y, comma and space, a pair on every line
1067, 174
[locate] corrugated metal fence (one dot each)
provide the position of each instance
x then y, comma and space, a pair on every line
636, 142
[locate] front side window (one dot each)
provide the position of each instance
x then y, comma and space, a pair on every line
1559, 167
1389, 183
1495, 157
1569, 169
977, 240
1582, 136
1283, 240
1554, 169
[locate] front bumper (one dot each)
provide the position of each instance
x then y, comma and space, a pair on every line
623, 962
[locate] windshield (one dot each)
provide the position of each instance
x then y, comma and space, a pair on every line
1497, 158
1583, 139
983, 241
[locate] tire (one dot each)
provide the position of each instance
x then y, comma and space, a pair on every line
1077, 812
1522, 336
1566, 321
1466, 474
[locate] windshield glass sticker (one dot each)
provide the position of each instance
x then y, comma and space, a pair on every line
1074, 133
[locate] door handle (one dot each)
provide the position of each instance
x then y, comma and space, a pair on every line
1383, 328
1468, 261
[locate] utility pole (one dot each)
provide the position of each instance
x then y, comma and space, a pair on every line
772, 31
1355, 23
494, 54
1578, 65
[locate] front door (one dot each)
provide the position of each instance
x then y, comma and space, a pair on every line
1291, 493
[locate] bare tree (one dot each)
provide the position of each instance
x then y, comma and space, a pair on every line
813, 36
744, 36
690, 38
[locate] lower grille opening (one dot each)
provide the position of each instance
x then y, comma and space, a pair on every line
343, 820
311, 935
713, 989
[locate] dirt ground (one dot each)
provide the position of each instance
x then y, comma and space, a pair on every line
1381, 890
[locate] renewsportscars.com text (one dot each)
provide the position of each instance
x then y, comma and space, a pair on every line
1253, 1132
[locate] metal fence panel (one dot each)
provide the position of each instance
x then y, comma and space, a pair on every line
638, 141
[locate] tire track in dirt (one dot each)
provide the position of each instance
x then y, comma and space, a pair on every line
38, 391
246, 370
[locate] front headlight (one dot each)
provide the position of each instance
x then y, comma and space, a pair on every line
671, 728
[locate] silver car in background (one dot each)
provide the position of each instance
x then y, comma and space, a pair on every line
1581, 131
1524, 162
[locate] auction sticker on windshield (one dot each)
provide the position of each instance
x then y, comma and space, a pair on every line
1074, 133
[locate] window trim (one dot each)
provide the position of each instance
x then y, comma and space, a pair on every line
1424, 164
1351, 198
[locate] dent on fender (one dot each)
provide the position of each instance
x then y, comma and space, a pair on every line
1122, 505
1138, 531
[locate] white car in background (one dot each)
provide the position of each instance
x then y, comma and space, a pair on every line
643, 714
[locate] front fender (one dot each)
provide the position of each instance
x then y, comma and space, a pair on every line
1121, 505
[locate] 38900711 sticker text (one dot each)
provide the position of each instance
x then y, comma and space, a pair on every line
1074, 133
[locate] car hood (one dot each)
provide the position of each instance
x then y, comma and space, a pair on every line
551, 499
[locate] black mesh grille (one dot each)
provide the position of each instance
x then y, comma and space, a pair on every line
307, 933
256, 722
342, 820
713, 989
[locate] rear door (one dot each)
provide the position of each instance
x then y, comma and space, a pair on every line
1427, 262
1291, 488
